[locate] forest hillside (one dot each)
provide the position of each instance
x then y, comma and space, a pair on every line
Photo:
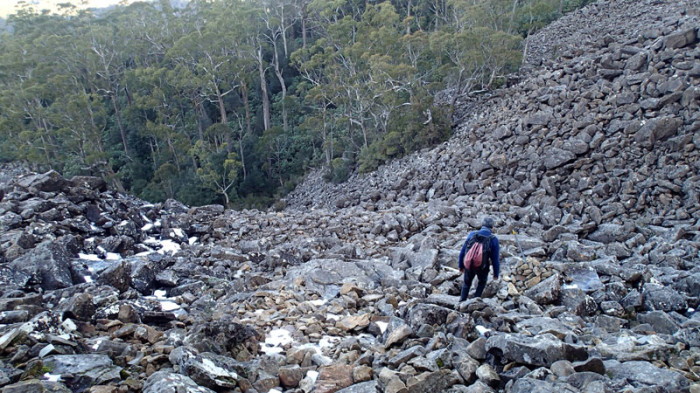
232, 101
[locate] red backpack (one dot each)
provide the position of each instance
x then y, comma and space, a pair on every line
478, 252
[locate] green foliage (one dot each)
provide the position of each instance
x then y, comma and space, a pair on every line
232, 101
218, 169
412, 128
339, 170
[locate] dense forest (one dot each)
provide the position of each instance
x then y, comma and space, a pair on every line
233, 101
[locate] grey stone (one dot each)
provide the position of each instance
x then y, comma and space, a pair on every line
85, 370
47, 266
660, 321
48, 182
434, 381
35, 386
529, 385
555, 158
362, 387
663, 299
541, 350
118, 275
546, 292
165, 381
657, 129
681, 39
406, 355
213, 371
642, 374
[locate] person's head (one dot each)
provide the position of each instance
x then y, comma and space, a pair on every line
487, 222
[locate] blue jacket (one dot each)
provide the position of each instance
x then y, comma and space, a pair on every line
495, 262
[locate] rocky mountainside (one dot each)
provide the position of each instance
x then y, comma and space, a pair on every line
592, 158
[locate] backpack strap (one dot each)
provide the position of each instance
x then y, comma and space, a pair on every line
486, 253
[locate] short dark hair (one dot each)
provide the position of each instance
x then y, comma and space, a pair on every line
487, 222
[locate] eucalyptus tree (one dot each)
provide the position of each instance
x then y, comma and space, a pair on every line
110, 51
278, 19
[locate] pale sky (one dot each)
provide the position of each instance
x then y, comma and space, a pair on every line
8, 6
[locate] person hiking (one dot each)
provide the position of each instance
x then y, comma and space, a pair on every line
489, 257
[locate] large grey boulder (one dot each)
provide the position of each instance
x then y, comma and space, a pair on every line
83, 371
530, 385
35, 386
546, 292
362, 387
89, 182
47, 266
608, 233
644, 374
214, 371
49, 181
657, 129
165, 381
540, 350
118, 275
429, 314
437, 381
555, 158
143, 272
660, 321
657, 297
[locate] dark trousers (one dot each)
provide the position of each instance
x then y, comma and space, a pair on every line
482, 274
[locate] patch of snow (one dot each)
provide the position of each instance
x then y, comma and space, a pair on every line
169, 246
216, 370
569, 286
275, 340
315, 347
147, 227
382, 326
328, 341
96, 345
51, 377
159, 294
319, 302
164, 246
88, 279
113, 309
312, 374
169, 306
88, 257
178, 232
333, 317
482, 330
